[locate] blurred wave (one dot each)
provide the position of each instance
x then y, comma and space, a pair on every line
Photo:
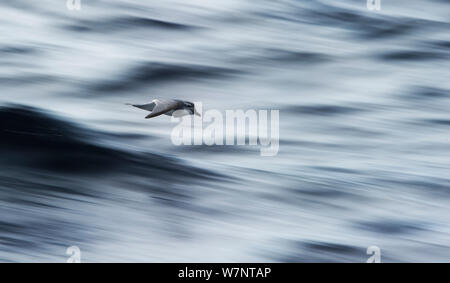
364, 128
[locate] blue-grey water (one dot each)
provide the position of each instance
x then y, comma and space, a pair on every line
364, 99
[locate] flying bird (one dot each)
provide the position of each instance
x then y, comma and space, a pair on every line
170, 107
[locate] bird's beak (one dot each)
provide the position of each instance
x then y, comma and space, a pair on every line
196, 113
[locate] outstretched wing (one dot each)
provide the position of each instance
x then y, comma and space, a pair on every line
148, 106
161, 107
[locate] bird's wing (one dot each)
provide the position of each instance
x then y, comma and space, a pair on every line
148, 106
161, 107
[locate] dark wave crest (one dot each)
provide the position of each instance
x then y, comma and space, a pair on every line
31, 137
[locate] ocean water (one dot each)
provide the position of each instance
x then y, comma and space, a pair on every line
363, 95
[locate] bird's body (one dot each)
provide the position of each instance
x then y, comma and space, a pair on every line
170, 107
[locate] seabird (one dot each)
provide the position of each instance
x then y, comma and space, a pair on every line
169, 107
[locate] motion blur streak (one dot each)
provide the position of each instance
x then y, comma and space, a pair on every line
364, 100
